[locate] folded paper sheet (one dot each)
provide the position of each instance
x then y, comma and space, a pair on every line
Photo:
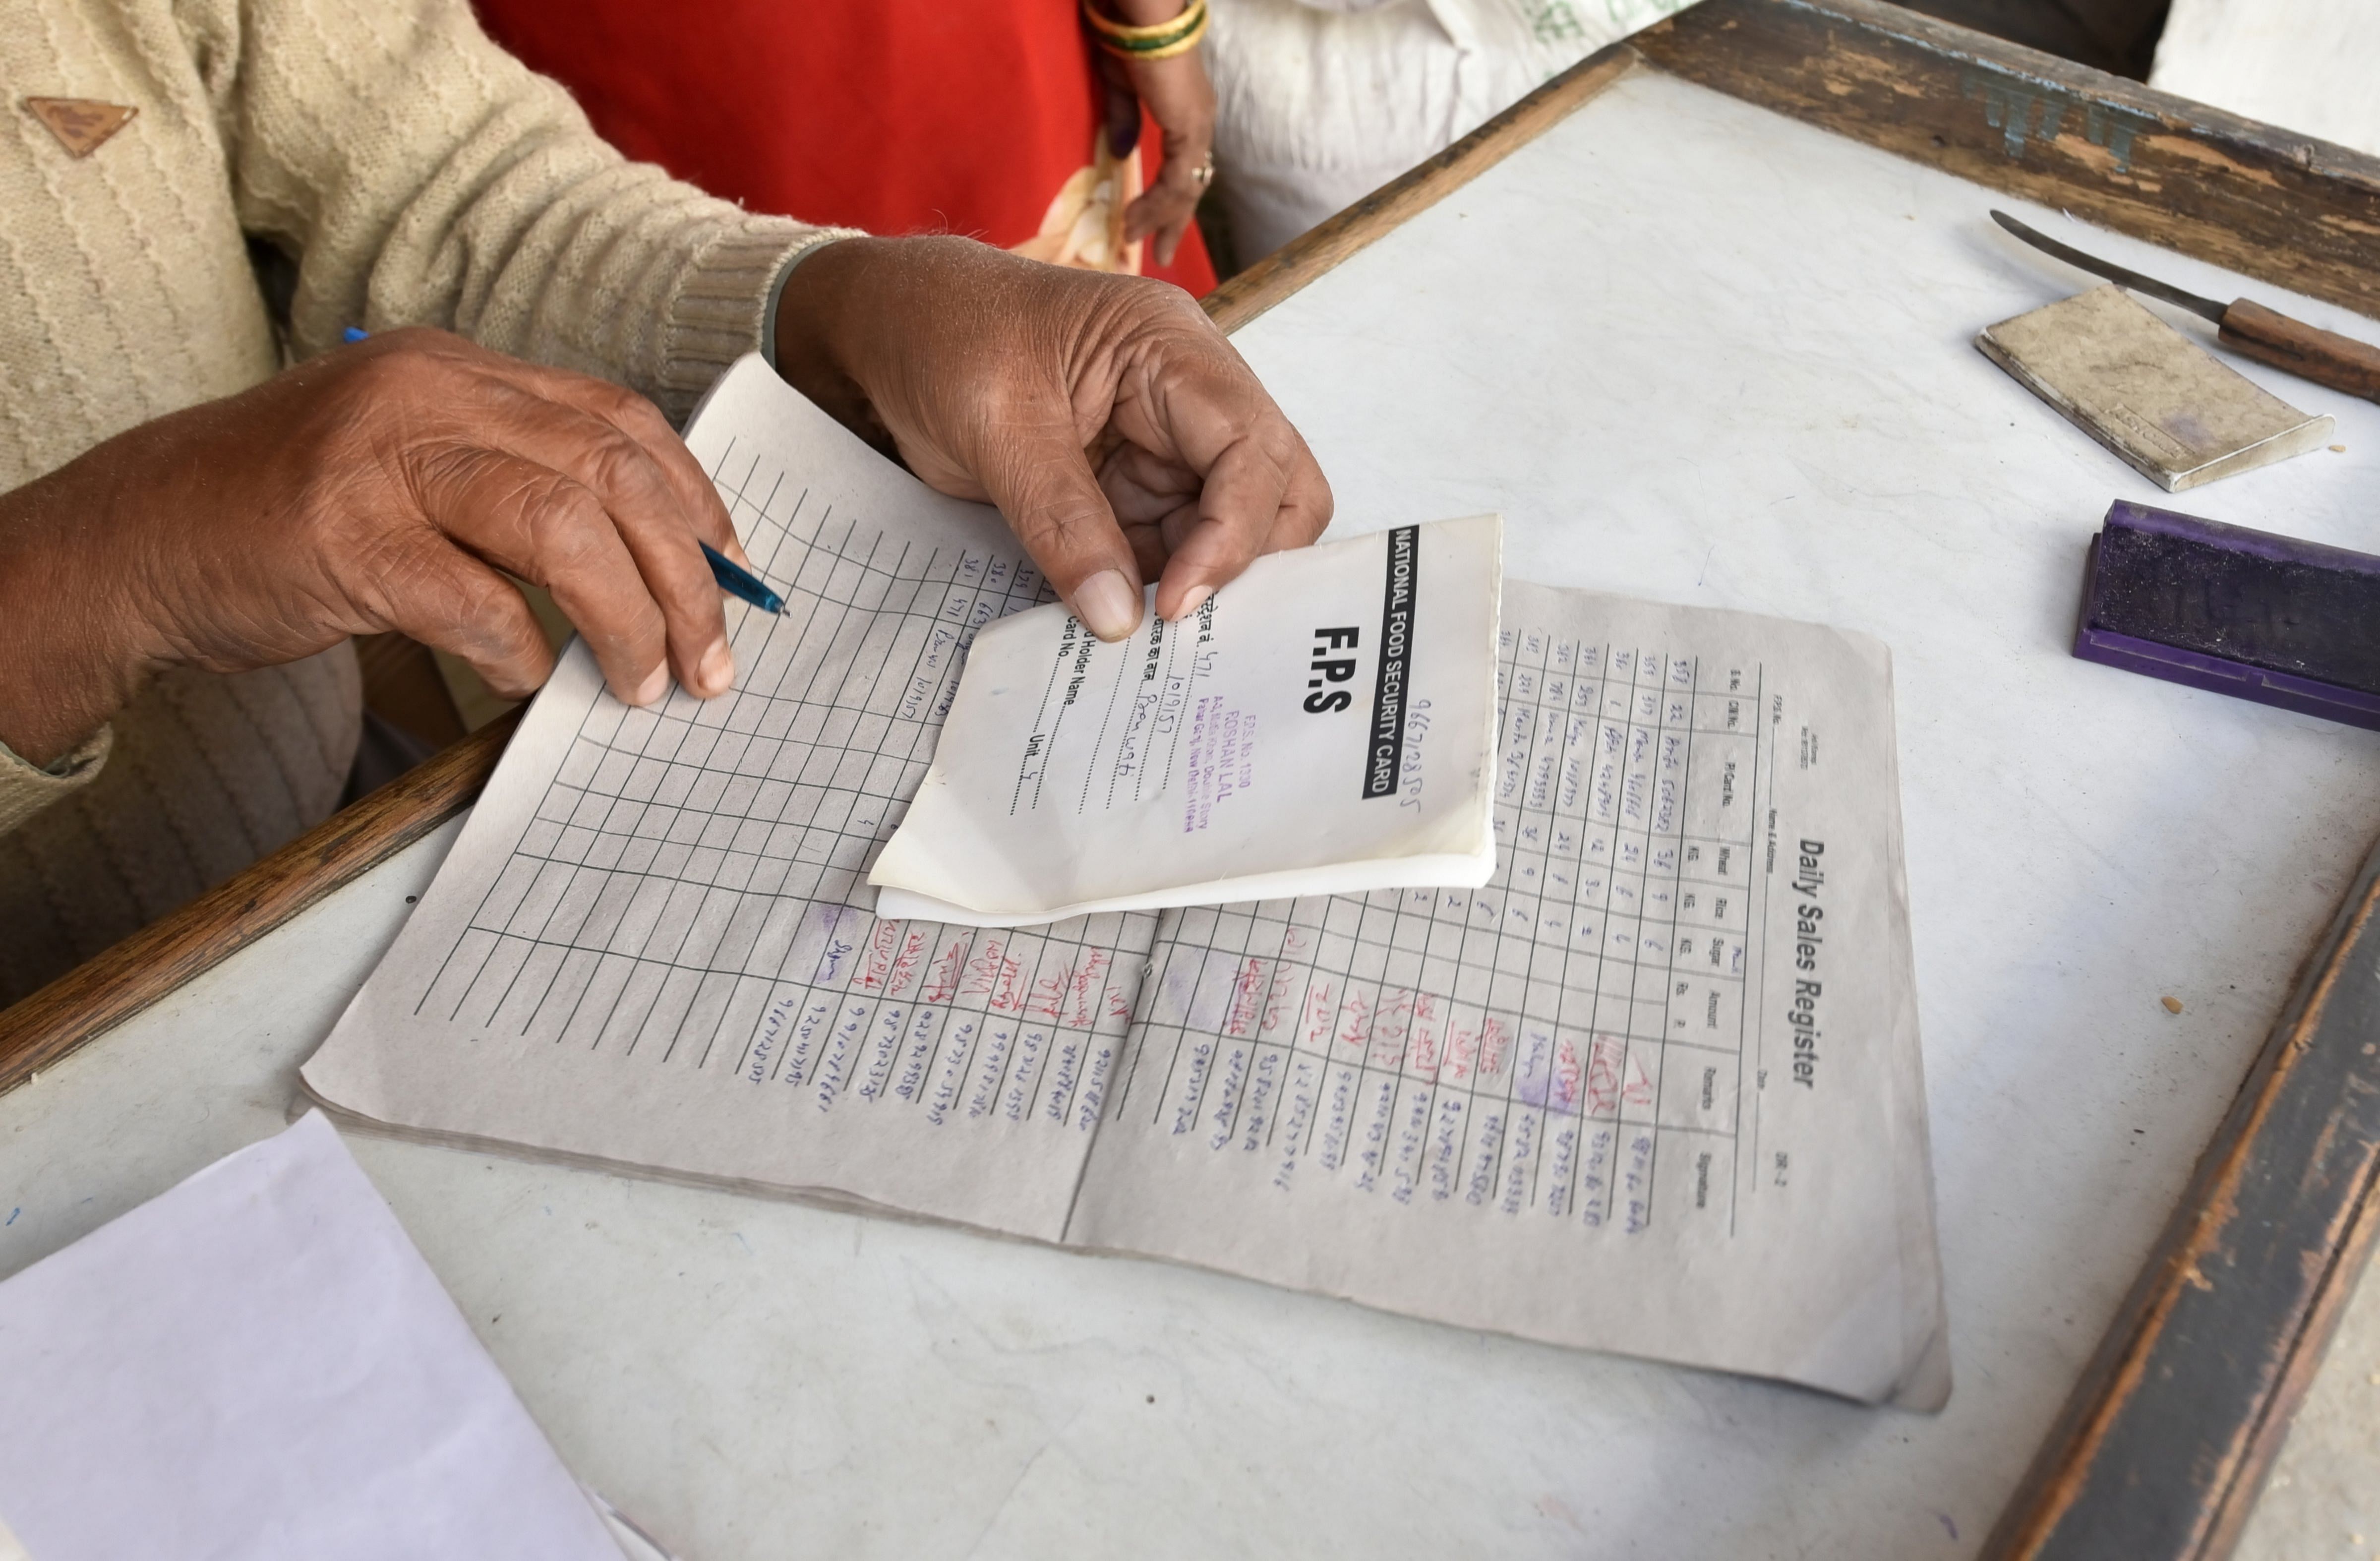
1322, 726
258, 1363
1654, 1086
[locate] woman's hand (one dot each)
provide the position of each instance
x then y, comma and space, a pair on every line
384, 485
1182, 101
1106, 416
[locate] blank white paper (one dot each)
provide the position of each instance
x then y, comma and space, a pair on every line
257, 1365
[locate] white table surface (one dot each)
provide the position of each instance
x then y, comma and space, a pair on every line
1695, 352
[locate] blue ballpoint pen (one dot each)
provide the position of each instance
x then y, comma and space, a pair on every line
741, 582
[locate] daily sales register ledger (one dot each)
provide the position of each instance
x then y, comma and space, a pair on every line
1653, 1088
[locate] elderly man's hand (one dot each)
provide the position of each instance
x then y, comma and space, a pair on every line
1107, 418
384, 485
390, 486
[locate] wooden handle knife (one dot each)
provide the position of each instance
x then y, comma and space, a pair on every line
2244, 326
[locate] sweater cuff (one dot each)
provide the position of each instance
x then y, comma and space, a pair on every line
785, 274
26, 789
727, 302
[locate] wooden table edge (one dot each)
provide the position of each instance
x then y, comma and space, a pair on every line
1321, 248
2263, 201
2164, 1443
43, 1028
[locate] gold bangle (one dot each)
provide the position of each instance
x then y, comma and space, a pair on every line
1159, 42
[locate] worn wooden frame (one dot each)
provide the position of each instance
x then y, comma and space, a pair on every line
2164, 1444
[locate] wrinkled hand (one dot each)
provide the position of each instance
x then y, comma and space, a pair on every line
1106, 416
380, 486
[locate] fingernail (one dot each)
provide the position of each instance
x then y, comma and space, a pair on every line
718, 670
1196, 600
653, 687
1107, 604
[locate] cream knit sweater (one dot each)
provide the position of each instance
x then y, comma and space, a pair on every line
412, 174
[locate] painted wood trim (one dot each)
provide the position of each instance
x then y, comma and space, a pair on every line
88, 1001
2163, 1444
1309, 255
2165, 1440
2296, 211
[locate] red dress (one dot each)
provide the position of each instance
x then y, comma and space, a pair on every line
893, 116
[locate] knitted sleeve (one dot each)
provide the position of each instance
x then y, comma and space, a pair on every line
26, 789
419, 175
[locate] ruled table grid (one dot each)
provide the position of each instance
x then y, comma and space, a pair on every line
686, 888
1558, 1042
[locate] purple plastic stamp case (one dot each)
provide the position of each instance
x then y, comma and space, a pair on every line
2259, 617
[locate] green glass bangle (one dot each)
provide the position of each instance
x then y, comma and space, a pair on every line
1163, 41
